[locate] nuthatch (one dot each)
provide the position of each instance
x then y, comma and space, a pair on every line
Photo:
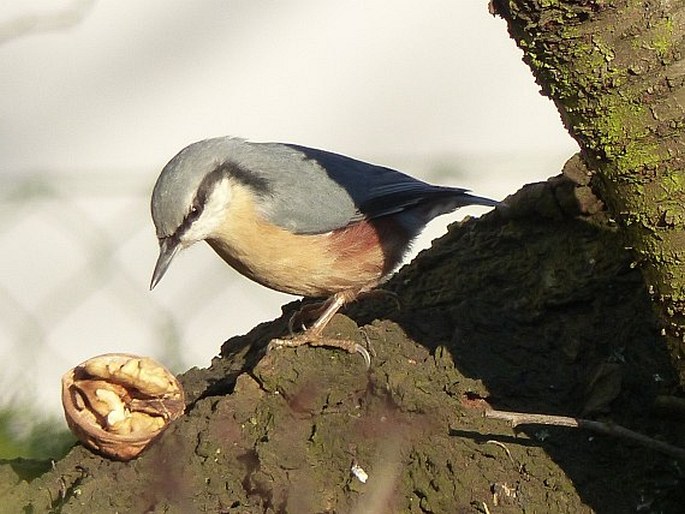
295, 219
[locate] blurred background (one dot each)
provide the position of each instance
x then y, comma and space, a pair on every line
96, 96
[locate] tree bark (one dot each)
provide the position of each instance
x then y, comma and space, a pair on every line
532, 308
615, 71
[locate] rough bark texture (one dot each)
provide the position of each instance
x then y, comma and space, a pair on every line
616, 71
534, 308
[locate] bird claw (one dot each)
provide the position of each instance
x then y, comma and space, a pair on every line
364, 353
302, 339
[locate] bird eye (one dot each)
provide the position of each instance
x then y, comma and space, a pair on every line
194, 213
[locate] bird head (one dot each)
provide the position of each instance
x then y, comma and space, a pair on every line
189, 200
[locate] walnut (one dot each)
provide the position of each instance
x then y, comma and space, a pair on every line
118, 403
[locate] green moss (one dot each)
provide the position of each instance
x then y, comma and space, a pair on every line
621, 119
620, 131
659, 38
570, 32
674, 181
618, 128
662, 37
638, 155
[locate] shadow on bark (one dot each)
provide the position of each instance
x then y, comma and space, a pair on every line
534, 307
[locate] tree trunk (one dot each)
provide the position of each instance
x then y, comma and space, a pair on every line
616, 72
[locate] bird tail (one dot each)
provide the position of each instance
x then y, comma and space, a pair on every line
448, 199
468, 199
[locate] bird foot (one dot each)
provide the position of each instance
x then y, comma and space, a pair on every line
307, 314
318, 340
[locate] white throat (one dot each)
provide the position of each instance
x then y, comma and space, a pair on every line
213, 214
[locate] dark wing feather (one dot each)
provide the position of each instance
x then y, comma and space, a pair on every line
379, 191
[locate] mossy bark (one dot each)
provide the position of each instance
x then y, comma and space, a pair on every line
533, 308
616, 71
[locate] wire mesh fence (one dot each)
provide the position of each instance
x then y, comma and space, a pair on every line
77, 253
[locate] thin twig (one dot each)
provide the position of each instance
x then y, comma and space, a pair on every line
523, 418
504, 447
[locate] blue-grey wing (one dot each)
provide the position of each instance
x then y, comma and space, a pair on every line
316, 191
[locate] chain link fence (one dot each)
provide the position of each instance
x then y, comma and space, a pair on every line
77, 255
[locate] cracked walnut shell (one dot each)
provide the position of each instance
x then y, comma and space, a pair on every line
118, 403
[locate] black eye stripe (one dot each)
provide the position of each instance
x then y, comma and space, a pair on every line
195, 212
222, 170
253, 180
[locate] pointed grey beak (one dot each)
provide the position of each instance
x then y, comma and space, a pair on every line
168, 247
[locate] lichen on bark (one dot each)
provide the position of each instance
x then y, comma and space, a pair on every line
616, 72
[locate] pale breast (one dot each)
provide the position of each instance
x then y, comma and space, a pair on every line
308, 265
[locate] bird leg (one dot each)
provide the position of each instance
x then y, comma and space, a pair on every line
307, 314
318, 312
313, 335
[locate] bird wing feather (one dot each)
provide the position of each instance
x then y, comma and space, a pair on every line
341, 190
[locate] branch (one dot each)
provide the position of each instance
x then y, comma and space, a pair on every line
523, 418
